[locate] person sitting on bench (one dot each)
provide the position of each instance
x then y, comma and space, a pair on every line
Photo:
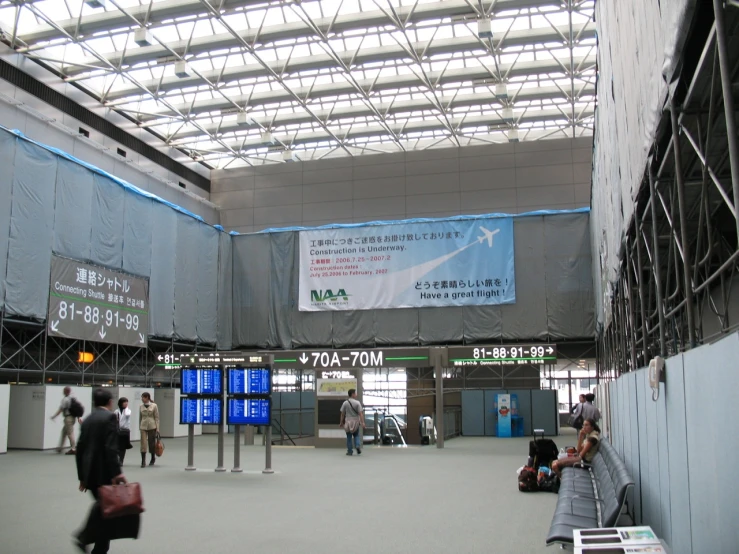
587, 447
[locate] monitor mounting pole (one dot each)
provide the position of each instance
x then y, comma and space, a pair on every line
190, 448
237, 450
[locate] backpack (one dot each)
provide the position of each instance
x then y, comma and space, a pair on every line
527, 480
549, 483
542, 452
75, 408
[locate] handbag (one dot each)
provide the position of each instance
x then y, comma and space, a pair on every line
159, 446
120, 500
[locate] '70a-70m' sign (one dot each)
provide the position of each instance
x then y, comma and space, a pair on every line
369, 357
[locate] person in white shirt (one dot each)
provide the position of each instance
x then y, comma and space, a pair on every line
123, 413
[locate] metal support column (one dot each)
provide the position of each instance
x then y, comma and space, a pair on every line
221, 438
237, 450
687, 264
640, 283
629, 281
655, 262
439, 374
190, 448
268, 451
726, 86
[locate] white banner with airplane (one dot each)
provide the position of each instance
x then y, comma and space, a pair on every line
416, 264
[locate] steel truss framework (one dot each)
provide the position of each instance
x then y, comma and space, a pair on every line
29, 354
679, 260
234, 82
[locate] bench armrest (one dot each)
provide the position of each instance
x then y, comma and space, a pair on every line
586, 498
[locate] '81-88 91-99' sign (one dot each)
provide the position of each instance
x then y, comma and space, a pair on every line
93, 303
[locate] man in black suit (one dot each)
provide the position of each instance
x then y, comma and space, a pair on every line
98, 465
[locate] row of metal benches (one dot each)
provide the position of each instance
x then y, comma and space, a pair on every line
590, 497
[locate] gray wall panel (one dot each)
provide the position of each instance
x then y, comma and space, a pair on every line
713, 498
489, 416
251, 296
473, 412
663, 467
311, 328
7, 162
440, 325
106, 244
396, 326
206, 321
481, 322
163, 263
544, 411
73, 210
634, 458
283, 256
31, 231
678, 460
186, 278
137, 230
527, 318
524, 408
354, 328
570, 306
225, 292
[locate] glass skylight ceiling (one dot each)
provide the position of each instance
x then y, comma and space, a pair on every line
239, 82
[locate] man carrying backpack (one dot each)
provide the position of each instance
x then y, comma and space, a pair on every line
72, 410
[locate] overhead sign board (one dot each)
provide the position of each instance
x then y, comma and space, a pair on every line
503, 354
358, 357
178, 359
89, 302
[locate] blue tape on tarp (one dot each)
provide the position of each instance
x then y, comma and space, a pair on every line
121, 182
422, 220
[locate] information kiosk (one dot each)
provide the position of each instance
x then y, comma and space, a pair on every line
213, 384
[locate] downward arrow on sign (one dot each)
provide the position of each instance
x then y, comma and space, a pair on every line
141, 338
102, 332
54, 325
304, 358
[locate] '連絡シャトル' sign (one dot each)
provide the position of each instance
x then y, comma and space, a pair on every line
90, 302
177, 359
368, 357
502, 354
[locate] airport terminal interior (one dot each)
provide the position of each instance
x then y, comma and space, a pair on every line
399, 276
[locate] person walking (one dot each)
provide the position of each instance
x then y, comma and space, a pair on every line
123, 414
98, 465
352, 417
589, 411
69, 421
576, 419
149, 427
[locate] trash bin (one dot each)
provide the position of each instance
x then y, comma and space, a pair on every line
425, 428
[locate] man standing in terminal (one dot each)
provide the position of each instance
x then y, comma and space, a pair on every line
352, 416
69, 421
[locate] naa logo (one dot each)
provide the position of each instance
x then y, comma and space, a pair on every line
321, 296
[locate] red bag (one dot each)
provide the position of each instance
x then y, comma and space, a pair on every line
527, 480
120, 500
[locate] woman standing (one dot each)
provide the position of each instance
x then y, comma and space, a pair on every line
149, 427
123, 413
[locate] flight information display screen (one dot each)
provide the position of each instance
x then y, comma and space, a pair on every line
248, 411
201, 381
249, 381
205, 411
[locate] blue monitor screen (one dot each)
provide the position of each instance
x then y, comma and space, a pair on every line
249, 411
249, 381
201, 381
206, 411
